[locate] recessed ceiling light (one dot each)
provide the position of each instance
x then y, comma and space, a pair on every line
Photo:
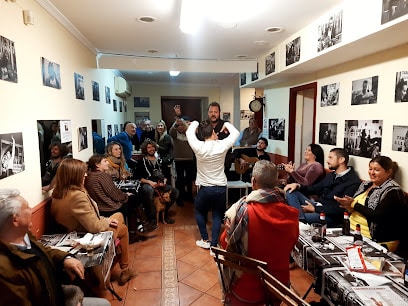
242, 56
146, 19
274, 29
260, 42
152, 51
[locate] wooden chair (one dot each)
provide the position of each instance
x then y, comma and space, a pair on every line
276, 291
235, 261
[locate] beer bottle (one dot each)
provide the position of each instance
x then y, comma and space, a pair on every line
358, 238
346, 224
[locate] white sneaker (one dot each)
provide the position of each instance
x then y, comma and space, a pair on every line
203, 244
212, 253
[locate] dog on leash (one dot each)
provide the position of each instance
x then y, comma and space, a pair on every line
160, 201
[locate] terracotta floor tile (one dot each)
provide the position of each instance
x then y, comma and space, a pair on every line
198, 257
148, 251
182, 249
150, 297
215, 291
184, 269
188, 295
206, 300
148, 264
210, 265
147, 280
200, 280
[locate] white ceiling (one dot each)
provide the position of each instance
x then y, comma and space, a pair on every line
112, 27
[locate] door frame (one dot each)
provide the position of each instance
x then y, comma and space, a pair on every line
292, 115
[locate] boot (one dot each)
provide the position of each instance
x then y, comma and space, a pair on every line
126, 275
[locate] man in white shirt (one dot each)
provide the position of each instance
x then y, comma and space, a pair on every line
211, 178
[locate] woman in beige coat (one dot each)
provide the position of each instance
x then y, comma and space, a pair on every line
74, 209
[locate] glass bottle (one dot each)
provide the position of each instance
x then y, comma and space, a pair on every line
346, 224
358, 238
323, 223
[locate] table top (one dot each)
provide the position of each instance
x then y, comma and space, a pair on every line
327, 261
67, 242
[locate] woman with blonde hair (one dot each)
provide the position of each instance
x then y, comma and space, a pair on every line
117, 168
165, 148
74, 209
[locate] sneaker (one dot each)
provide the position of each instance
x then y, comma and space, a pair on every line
203, 244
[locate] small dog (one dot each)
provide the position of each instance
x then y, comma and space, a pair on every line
160, 201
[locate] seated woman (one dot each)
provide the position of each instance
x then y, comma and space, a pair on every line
379, 205
111, 199
117, 167
309, 172
165, 148
73, 208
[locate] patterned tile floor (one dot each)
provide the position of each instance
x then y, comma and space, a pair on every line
174, 271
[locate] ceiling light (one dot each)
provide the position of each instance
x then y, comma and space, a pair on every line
242, 56
274, 29
146, 19
260, 42
190, 16
174, 73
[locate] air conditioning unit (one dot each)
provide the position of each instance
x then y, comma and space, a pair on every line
122, 87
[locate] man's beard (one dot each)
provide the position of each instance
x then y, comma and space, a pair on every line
334, 168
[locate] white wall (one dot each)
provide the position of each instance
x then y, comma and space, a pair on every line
25, 102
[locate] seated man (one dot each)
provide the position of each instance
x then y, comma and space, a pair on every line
250, 135
245, 158
149, 173
31, 273
341, 182
263, 227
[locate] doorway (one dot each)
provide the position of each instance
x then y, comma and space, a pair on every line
302, 119
190, 106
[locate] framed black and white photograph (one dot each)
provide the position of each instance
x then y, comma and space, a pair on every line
107, 95
125, 106
226, 116
400, 138
293, 51
122, 128
364, 91
120, 106
401, 86
116, 129
109, 130
82, 138
246, 114
392, 9
254, 75
141, 101
50, 73
115, 105
11, 154
328, 133
139, 116
79, 86
95, 91
270, 63
330, 31
363, 137
277, 129
329, 95
242, 78
8, 63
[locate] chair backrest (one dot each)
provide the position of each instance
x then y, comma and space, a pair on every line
276, 291
236, 261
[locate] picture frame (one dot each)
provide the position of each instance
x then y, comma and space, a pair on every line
270, 63
141, 101
50, 73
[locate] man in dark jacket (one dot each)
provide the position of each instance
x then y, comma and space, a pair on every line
30, 274
342, 181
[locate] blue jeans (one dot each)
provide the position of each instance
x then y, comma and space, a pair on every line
210, 198
296, 199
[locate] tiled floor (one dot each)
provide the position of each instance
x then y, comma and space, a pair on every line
174, 271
